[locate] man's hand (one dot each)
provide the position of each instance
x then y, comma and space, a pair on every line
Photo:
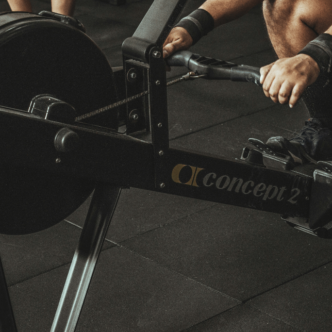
285, 80
178, 39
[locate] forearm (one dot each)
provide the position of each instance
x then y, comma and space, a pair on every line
224, 11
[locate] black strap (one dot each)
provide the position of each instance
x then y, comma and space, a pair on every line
320, 49
198, 24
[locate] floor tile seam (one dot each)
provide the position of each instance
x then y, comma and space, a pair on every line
52, 269
251, 54
180, 274
37, 275
295, 132
277, 318
167, 223
214, 316
222, 122
95, 16
80, 227
234, 308
290, 280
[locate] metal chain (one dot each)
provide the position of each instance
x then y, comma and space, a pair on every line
186, 77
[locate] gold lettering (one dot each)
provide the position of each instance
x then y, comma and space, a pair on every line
194, 172
176, 173
195, 177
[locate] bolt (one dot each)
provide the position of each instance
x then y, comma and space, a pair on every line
160, 125
307, 198
156, 54
58, 160
162, 185
135, 117
157, 82
161, 153
133, 75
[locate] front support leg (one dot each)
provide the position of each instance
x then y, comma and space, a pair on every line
100, 213
7, 319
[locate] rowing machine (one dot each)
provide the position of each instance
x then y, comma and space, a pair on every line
84, 127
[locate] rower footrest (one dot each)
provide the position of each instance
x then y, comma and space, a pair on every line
259, 153
302, 225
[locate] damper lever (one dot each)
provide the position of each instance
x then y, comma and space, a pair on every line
214, 69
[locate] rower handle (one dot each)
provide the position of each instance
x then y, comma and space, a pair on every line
214, 69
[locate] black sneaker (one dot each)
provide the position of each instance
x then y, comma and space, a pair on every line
313, 144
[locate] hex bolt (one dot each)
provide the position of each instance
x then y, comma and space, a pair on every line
133, 116
58, 160
132, 75
161, 153
162, 185
157, 82
160, 125
156, 54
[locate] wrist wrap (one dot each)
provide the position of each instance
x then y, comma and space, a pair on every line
198, 24
320, 49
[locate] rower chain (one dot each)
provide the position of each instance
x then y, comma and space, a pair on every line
186, 77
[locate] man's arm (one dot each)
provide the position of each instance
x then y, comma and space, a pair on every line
222, 11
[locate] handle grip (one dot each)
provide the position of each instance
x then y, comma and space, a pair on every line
215, 69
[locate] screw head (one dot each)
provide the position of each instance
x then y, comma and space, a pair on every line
307, 198
160, 125
161, 153
132, 75
157, 82
156, 54
133, 116
58, 160
162, 185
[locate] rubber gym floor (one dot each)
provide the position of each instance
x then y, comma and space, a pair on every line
176, 264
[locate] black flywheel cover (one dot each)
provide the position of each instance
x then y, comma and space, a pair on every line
39, 55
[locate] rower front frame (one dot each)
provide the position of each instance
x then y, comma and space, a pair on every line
129, 162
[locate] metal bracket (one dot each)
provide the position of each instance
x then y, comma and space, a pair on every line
7, 319
321, 199
158, 114
136, 76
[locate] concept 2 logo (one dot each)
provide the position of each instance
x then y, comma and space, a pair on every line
194, 172
196, 177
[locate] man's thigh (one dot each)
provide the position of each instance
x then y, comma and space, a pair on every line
292, 24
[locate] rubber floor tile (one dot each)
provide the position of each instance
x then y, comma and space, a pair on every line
127, 293
242, 318
131, 13
240, 252
106, 32
305, 302
202, 103
258, 59
140, 211
26, 256
228, 139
